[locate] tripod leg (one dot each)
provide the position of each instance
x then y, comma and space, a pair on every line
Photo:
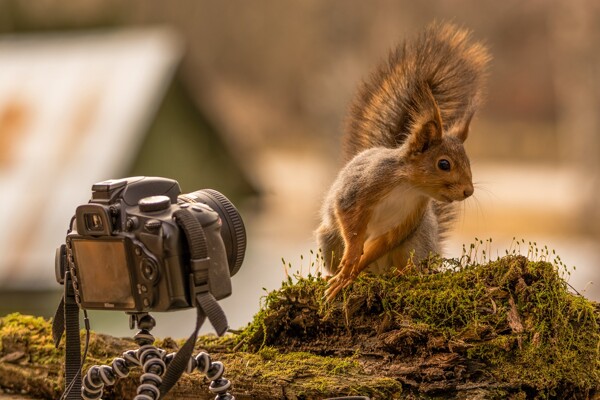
214, 371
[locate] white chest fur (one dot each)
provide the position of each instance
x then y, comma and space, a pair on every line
393, 209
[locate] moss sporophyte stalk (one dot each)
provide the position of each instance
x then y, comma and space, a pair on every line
507, 328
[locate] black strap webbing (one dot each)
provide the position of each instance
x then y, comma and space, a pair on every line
206, 304
194, 233
72, 350
181, 359
66, 320
58, 322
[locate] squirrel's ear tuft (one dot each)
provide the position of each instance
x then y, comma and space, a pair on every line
427, 128
463, 132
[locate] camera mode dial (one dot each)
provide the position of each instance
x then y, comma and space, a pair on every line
154, 203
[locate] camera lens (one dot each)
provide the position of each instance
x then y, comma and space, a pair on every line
233, 231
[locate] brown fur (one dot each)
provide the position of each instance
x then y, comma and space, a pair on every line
392, 198
441, 60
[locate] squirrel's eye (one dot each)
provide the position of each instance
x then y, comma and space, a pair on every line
444, 164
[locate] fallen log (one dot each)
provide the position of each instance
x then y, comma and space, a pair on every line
510, 328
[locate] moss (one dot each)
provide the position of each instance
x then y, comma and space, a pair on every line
514, 316
507, 328
288, 366
306, 374
31, 335
310, 376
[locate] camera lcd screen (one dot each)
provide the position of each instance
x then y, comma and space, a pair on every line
103, 273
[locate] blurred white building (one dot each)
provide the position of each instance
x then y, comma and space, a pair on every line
73, 110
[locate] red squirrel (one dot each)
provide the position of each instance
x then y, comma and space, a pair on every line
406, 166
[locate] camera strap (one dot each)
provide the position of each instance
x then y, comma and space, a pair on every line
206, 304
66, 320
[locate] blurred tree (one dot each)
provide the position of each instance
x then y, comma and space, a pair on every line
181, 143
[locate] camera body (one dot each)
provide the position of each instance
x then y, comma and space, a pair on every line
126, 251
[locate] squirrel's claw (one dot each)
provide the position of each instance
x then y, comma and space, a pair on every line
336, 284
333, 288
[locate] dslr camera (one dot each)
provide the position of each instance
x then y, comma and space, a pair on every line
129, 249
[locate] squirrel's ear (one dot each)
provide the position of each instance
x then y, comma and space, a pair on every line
423, 138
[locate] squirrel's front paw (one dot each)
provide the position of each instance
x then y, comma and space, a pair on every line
337, 283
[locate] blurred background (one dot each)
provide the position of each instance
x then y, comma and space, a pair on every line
249, 98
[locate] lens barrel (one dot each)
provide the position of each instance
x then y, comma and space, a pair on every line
233, 231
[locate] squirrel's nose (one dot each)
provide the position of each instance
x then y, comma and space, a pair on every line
468, 191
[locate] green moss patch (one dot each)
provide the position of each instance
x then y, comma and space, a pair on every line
510, 326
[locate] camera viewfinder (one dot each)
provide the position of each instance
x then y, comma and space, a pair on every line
93, 223
93, 220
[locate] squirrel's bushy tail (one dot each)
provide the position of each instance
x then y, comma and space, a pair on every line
441, 60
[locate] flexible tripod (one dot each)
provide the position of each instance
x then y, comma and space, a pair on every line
154, 362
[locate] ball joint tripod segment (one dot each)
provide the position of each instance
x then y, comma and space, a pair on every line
154, 363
